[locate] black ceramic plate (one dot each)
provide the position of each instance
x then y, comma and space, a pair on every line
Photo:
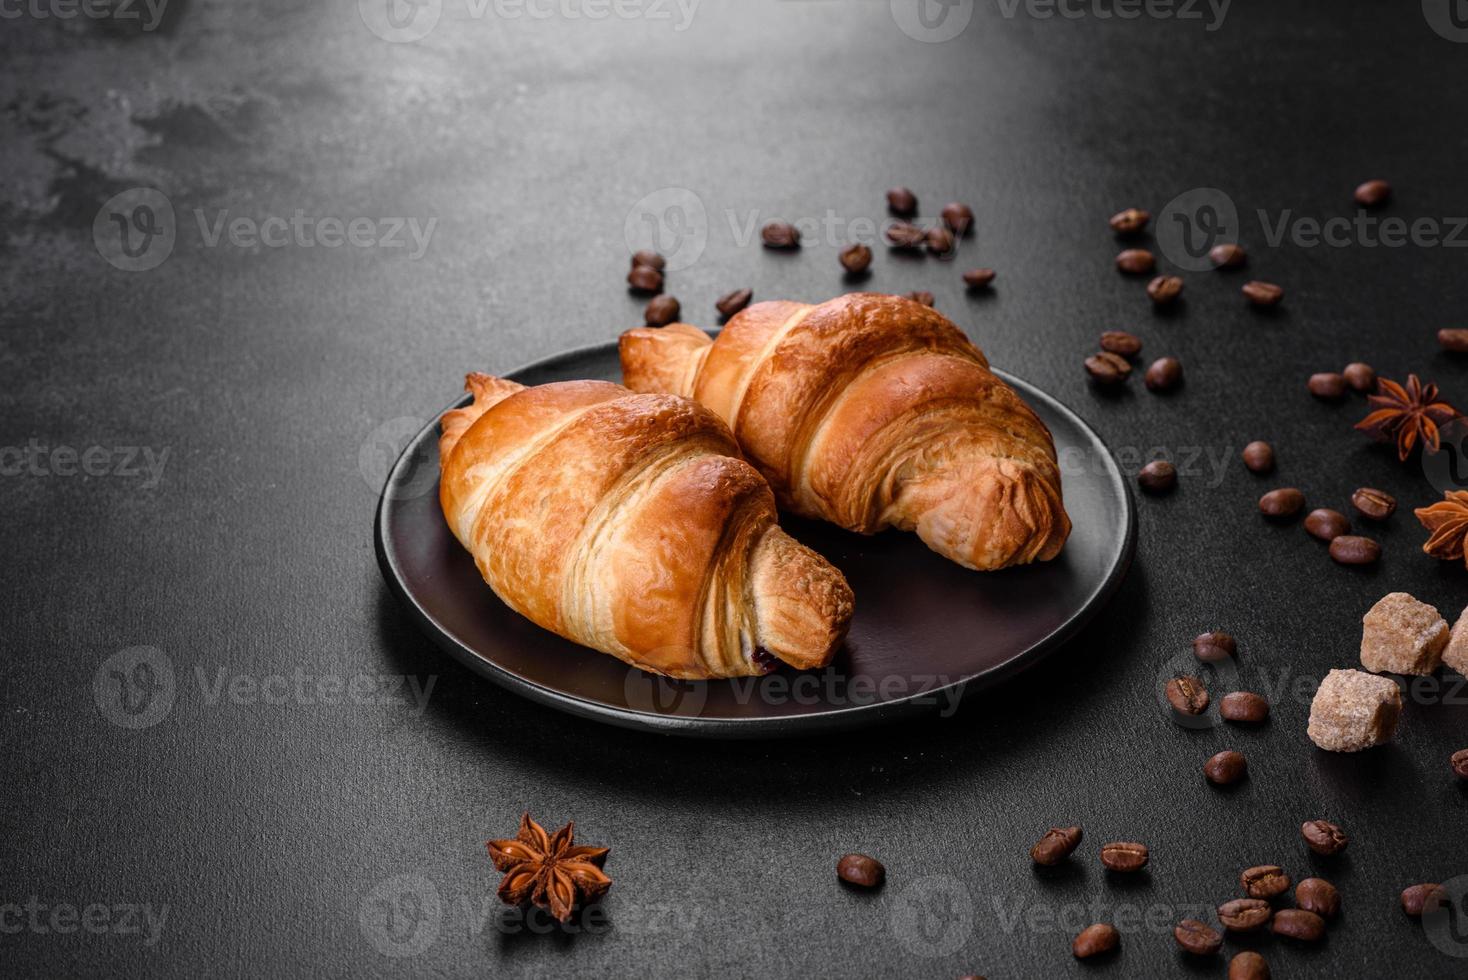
925, 631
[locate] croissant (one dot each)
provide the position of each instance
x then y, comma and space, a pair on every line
629, 524
872, 411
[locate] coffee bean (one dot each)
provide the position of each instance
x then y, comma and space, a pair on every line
1165, 289
1360, 377
1263, 293
1264, 881
1244, 707
1326, 385
662, 311
856, 258
1319, 896
958, 217
905, 235
1213, 647
1284, 502
940, 241
902, 202
1197, 938
731, 303
1326, 524
1164, 374
1095, 940
1372, 193
645, 279
1056, 845
1244, 914
780, 234
1226, 768
1130, 221
1377, 505
978, 278
921, 296
1454, 340
1459, 762
1158, 476
1248, 965
1121, 342
1417, 899
1107, 368
1124, 856
1227, 256
1259, 456
1324, 837
645, 257
1351, 549
1136, 261
1186, 695
860, 870
1298, 924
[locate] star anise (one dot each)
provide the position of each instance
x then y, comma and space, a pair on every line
1406, 414
1448, 521
548, 869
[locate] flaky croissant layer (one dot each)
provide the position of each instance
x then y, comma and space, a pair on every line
627, 523
872, 411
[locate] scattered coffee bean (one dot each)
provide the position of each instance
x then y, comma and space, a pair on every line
921, 296
780, 234
644, 257
1459, 762
1243, 707
731, 303
1136, 261
1130, 221
1417, 899
1327, 385
905, 235
902, 202
1165, 289
1158, 476
1121, 342
1248, 965
1284, 502
1107, 368
1319, 896
978, 278
1095, 940
1244, 914
645, 279
1186, 695
1376, 505
1326, 524
1299, 924
1214, 646
662, 311
1372, 193
1226, 768
1263, 293
1124, 856
856, 258
1056, 845
1227, 256
1164, 374
1454, 340
1351, 549
1324, 837
1361, 377
940, 241
958, 217
860, 870
1264, 881
1259, 456
1198, 938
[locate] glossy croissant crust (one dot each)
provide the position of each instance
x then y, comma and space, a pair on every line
872, 411
627, 523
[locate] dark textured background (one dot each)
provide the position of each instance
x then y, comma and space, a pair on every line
277, 380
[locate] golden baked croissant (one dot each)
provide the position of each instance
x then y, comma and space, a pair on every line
872, 411
629, 524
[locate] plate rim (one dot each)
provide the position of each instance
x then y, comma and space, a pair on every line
837, 719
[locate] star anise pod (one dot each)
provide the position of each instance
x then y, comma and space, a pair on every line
1406, 414
548, 869
1448, 521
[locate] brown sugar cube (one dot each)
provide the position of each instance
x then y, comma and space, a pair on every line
1456, 653
1354, 710
1402, 636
